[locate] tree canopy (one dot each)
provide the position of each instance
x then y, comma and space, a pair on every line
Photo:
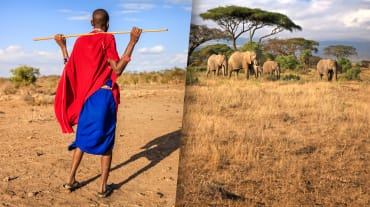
291, 46
200, 34
200, 57
233, 19
278, 22
297, 47
340, 51
237, 20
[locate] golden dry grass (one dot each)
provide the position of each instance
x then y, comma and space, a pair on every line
260, 143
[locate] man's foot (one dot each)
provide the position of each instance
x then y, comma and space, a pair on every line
71, 187
106, 193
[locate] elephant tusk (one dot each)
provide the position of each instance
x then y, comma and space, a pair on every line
86, 34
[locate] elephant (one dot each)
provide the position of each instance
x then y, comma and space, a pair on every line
243, 60
271, 67
216, 63
327, 68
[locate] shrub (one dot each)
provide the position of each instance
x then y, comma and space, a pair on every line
291, 77
271, 77
191, 76
135, 79
287, 62
24, 75
344, 64
353, 74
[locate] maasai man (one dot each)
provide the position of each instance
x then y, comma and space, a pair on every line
87, 94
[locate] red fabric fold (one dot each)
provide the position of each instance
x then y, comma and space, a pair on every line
87, 70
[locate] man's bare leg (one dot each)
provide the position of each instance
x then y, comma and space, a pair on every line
106, 161
76, 160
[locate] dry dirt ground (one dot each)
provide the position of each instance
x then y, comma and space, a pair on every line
34, 160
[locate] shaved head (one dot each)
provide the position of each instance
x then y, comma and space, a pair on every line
100, 19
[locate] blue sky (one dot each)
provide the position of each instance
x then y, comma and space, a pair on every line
337, 21
326, 21
24, 20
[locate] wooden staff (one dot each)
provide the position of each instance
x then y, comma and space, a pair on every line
86, 34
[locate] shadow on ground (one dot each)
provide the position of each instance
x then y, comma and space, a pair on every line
155, 151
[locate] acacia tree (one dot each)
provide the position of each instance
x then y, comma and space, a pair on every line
233, 19
200, 57
291, 46
278, 22
340, 51
200, 34
237, 20
298, 47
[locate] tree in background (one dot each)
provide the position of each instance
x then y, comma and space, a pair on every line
24, 75
199, 58
340, 51
344, 64
278, 22
298, 47
365, 63
288, 62
233, 19
237, 20
291, 46
200, 34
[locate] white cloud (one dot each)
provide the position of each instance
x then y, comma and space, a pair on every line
80, 18
65, 10
76, 15
179, 1
14, 56
128, 19
127, 12
319, 19
152, 50
359, 18
137, 6
179, 59
130, 8
50, 63
188, 8
148, 62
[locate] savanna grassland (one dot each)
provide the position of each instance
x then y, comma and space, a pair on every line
275, 143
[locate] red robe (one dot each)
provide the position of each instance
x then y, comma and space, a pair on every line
87, 70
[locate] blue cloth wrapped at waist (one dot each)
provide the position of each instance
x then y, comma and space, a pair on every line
97, 123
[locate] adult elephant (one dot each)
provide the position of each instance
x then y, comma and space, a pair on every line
216, 63
271, 67
327, 68
243, 60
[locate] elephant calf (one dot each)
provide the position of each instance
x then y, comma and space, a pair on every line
216, 63
327, 68
271, 67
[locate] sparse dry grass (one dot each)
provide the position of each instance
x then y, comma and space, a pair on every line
170, 76
43, 90
260, 143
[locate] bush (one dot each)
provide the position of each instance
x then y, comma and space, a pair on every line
291, 77
191, 76
353, 74
287, 62
175, 75
24, 75
271, 77
344, 64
